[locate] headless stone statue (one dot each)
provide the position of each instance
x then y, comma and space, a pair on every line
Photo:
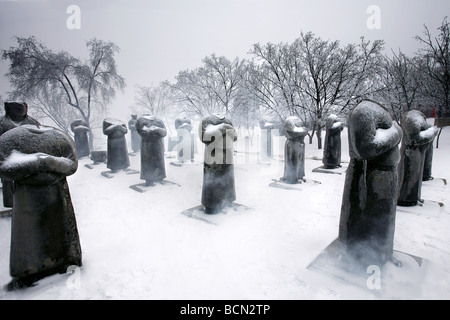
218, 135
152, 131
428, 165
15, 115
332, 148
135, 137
418, 136
266, 138
117, 151
44, 236
81, 129
185, 143
294, 150
367, 222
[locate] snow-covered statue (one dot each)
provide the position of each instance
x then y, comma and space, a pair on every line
368, 211
428, 165
185, 145
152, 131
81, 130
98, 156
266, 127
332, 148
135, 137
16, 114
44, 235
218, 134
418, 135
117, 151
294, 150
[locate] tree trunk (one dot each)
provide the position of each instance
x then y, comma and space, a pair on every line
311, 135
319, 137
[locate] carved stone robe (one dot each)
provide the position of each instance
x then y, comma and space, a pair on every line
368, 211
44, 235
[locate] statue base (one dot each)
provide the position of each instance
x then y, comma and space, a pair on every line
304, 183
143, 187
338, 170
385, 281
5, 213
110, 174
424, 207
184, 163
199, 213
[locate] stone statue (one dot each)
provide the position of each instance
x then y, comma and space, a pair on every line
98, 156
332, 148
15, 115
294, 150
117, 151
185, 140
81, 130
266, 138
428, 163
135, 137
368, 211
44, 235
218, 134
152, 131
418, 135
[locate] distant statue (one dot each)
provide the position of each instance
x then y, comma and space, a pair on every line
16, 114
44, 235
185, 143
332, 149
117, 151
81, 130
98, 156
218, 191
419, 135
135, 137
152, 130
266, 127
367, 222
428, 165
294, 150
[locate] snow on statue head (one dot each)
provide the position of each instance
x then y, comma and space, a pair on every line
44, 236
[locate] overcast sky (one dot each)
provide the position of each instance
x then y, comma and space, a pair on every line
159, 38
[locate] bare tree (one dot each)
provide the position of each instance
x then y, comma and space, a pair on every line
436, 55
156, 101
402, 80
37, 72
312, 78
212, 88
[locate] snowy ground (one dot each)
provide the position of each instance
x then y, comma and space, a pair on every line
139, 245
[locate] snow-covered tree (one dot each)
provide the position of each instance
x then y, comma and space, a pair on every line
57, 80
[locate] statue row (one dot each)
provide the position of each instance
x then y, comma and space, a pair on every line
36, 159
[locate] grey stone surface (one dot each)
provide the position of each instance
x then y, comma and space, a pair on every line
44, 235
368, 210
